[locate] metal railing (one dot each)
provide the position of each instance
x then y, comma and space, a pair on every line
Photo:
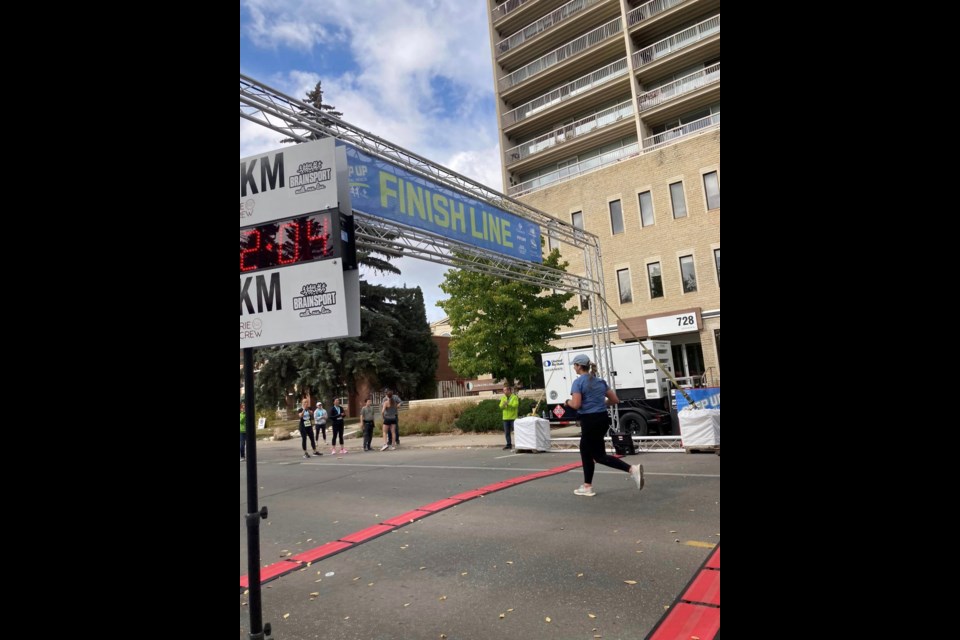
567, 91
671, 135
584, 42
686, 84
677, 41
555, 17
655, 142
506, 8
649, 9
569, 132
648, 444
576, 169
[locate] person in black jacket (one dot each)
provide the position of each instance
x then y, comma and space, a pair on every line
336, 418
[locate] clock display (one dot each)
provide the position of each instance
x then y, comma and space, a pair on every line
285, 242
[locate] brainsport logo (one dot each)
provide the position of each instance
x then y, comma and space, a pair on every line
310, 176
314, 300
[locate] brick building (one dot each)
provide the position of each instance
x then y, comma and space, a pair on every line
609, 119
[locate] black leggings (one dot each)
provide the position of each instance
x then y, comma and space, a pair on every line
593, 427
337, 429
304, 433
367, 434
322, 427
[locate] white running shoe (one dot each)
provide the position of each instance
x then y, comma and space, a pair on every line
637, 472
584, 491
384, 447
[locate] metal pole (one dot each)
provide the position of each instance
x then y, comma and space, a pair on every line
253, 514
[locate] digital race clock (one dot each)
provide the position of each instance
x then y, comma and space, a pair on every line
286, 242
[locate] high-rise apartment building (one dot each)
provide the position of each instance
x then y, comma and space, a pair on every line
609, 119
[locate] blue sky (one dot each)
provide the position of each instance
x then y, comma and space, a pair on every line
416, 73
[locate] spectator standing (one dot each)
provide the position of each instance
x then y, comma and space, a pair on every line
243, 433
397, 400
389, 411
336, 417
306, 429
320, 418
510, 404
366, 419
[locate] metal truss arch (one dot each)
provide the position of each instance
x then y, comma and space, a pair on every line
300, 121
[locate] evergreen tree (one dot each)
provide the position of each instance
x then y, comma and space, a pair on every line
315, 99
394, 348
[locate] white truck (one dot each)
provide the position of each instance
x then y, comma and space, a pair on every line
642, 387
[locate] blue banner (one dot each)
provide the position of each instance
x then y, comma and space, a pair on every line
706, 398
379, 188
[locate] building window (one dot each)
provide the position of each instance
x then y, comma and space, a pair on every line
711, 186
646, 209
716, 257
676, 198
688, 274
623, 279
616, 217
551, 241
584, 303
656, 281
576, 219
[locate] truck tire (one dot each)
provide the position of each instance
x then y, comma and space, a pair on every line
634, 424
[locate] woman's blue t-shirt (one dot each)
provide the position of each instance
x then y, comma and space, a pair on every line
592, 393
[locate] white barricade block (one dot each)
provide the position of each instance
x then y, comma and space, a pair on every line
531, 433
700, 427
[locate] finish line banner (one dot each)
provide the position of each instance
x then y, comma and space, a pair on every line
379, 188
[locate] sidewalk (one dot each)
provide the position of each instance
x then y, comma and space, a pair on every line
492, 440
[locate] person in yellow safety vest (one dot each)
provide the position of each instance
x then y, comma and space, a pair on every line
510, 403
243, 433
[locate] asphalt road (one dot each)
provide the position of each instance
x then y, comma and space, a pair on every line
495, 566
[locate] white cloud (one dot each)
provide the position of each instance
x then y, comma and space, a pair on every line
482, 165
273, 29
255, 139
414, 72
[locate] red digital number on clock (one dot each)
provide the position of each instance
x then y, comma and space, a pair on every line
286, 242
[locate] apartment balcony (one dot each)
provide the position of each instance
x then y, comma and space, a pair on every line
552, 30
658, 19
566, 134
512, 15
686, 94
594, 88
676, 51
501, 10
577, 56
649, 9
672, 136
574, 170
